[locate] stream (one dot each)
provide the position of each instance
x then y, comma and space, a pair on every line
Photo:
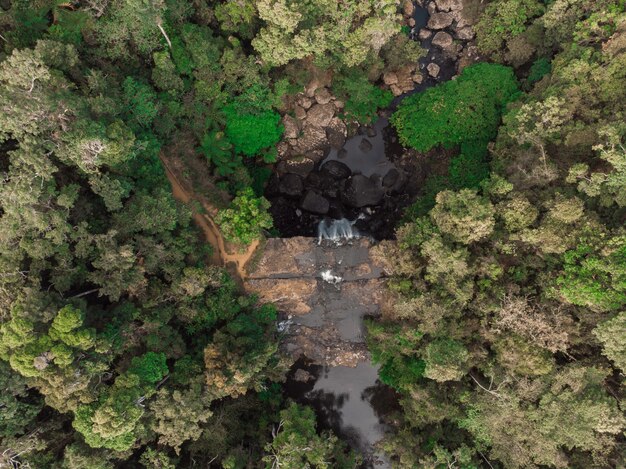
367, 187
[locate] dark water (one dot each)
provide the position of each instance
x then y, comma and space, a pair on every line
350, 401
421, 16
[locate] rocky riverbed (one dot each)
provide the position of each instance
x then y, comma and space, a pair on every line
332, 169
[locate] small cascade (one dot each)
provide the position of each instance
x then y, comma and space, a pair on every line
337, 230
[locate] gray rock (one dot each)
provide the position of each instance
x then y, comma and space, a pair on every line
424, 34
390, 179
315, 203
440, 20
300, 112
312, 138
291, 184
365, 145
447, 5
433, 69
292, 127
361, 191
323, 96
336, 133
465, 34
443, 40
320, 114
370, 131
300, 165
337, 169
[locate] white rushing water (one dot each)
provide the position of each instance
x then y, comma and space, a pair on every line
337, 230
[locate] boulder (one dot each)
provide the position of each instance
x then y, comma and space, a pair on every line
411, 22
370, 131
408, 8
390, 78
291, 185
418, 77
338, 104
365, 145
391, 178
443, 40
433, 69
336, 133
361, 191
440, 20
300, 112
300, 165
337, 169
320, 114
448, 5
304, 101
292, 127
465, 34
311, 87
312, 138
424, 34
315, 203
323, 96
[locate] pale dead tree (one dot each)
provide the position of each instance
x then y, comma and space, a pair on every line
545, 327
160, 26
97, 6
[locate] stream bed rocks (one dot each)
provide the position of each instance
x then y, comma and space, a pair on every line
323, 291
329, 168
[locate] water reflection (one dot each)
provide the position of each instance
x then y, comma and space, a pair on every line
350, 401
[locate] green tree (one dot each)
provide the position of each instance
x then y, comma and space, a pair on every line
464, 215
297, 444
245, 219
465, 109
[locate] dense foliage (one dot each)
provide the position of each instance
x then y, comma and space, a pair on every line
506, 334
120, 345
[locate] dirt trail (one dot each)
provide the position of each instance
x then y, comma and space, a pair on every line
223, 254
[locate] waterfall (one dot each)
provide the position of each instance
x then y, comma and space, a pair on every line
336, 230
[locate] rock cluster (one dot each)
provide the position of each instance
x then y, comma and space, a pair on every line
448, 31
325, 321
314, 127
333, 189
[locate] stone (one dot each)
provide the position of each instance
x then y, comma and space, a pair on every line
465, 34
300, 112
390, 78
440, 20
443, 40
433, 69
302, 376
365, 145
424, 34
338, 104
293, 295
301, 166
417, 78
411, 22
292, 127
323, 96
336, 133
361, 191
311, 138
408, 8
315, 203
291, 185
431, 7
311, 87
304, 102
320, 114
448, 5
337, 169
391, 178
370, 131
